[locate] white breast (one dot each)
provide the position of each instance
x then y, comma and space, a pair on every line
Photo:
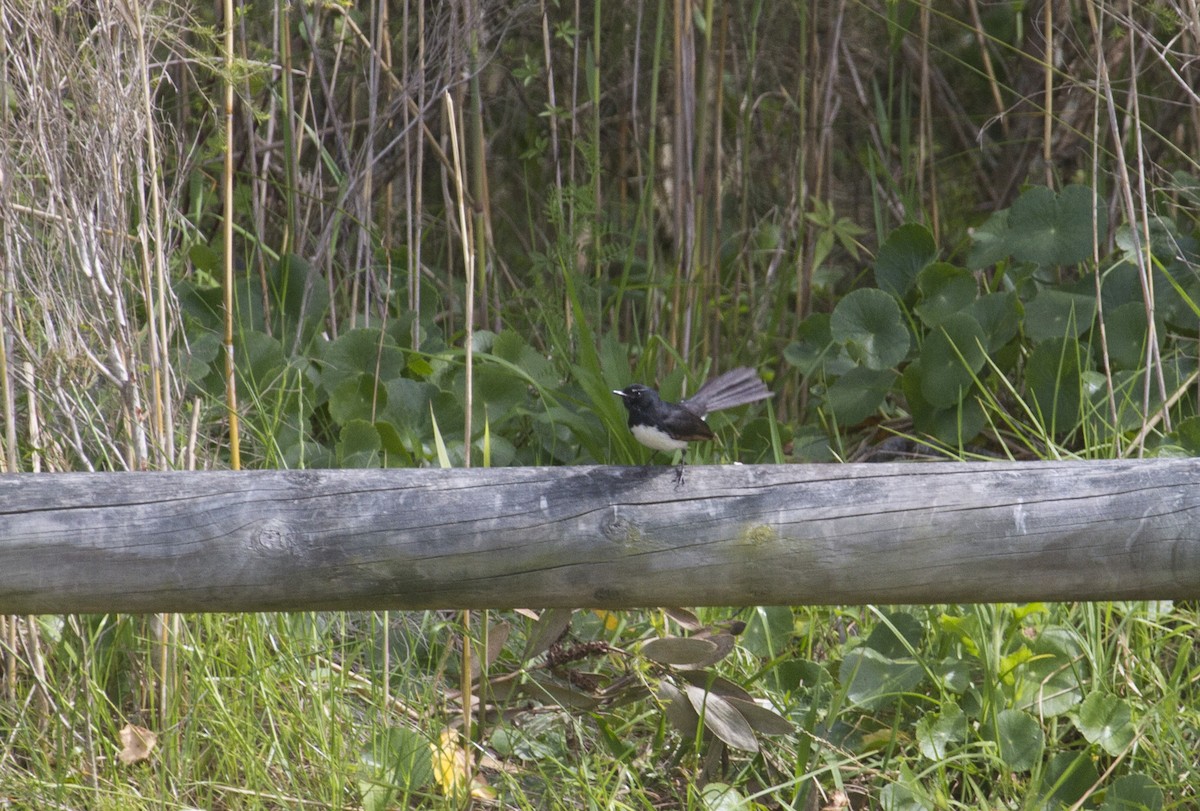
656, 439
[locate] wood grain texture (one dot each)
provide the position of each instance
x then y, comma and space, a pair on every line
614, 537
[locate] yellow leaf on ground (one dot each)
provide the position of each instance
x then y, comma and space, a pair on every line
452, 769
136, 743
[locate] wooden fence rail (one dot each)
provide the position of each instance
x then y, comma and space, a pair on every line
613, 537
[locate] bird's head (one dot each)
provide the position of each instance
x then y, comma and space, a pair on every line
637, 395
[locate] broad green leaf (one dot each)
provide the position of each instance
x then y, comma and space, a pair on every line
1057, 314
1187, 185
1020, 738
955, 425
812, 345
904, 794
1126, 330
1106, 720
940, 732
857, 394
989, 241
360, 351
299, 300
898, 636
1051, 682
202, 366
874, 681
1054, 379
950, 357
407, 404
511, 346
815, 350
793, 674
205, 258
954, 673
902, 256
1069, 775
1133, 792
724, 797
1187, 435
1166, 240
357, 398
945, 290
999, 316
870, 325
398, 761
1056, 229
498, 392
768, 631
260, 363
359, 445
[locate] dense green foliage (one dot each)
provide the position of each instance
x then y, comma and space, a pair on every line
936, 231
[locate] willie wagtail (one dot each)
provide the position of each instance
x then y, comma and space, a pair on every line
668, 427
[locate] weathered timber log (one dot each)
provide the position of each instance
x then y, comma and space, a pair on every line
614, 537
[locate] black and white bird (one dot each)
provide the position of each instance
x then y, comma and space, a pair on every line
669, 427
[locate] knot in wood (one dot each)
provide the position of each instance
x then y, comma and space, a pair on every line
273, 536
619, 529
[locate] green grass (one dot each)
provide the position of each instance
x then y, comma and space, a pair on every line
284, 711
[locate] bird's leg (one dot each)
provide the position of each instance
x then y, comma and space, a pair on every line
679, 469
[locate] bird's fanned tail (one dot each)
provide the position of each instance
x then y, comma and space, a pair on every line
734, 388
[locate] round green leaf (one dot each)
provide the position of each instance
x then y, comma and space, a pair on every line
260, 362
1054, 379
1052, 229
359, 351
407, 405
874, 681
938, 733
857, 394
1126, 330
954, 425
989, 242
1020, 738
724, 797
769, 630
1187, 435
902, 256
950, 358
945, 290
396, 760
897, 637
1106, 720
999, 316
814, 349
869, 323
359, 445
954, 674
1051, 680
511, 346
1058, 314
1068, 777
901, 797
1133, 792
356, 398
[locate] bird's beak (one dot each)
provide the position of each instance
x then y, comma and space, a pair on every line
619, 393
